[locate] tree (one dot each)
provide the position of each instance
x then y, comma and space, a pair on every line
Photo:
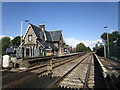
82, 48
5, 43
98, 45
112, 36
16, 41
94, 49
88, 49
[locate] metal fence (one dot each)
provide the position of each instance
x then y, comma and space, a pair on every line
114, 51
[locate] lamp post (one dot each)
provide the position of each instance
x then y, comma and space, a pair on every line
105, 50
21, 35
107, 40
21, 29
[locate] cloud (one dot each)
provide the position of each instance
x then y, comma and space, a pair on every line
112, 31
6, 36
73, 42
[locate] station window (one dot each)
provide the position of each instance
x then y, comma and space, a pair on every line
30, 38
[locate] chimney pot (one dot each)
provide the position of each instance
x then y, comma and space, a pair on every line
42, 26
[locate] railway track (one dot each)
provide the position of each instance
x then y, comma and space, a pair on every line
17, 78
75, 78
76, 74
36, 64
55, 64
34, 82
7, 73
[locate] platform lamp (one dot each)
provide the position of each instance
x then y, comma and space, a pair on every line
107, 40
21, 33
104, 48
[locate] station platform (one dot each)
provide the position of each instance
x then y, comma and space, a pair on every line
109, 65
111, 72
67, 54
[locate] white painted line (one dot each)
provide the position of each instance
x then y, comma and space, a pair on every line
103, 68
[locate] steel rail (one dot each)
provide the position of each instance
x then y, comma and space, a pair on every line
58, 65
87, 74
33, 68
31, 76
66, 74
66, 60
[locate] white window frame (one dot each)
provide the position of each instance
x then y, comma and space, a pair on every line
29, 38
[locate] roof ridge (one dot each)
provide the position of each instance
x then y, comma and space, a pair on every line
33, 25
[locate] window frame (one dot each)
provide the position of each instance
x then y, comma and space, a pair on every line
29, 38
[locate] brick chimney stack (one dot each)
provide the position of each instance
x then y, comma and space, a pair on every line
42, 26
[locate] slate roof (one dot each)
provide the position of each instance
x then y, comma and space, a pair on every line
52, 36
38, 31
48, 44
55, 35
48, 36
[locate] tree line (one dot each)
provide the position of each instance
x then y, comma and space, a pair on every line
112, 37
6, 42
82, 48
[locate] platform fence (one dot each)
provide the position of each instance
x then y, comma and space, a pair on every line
114, 51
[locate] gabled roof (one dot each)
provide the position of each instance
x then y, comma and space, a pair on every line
48, 36
37, 30
47, 44
52, 36
55, 35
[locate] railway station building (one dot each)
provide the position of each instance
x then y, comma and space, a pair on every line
39, 42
